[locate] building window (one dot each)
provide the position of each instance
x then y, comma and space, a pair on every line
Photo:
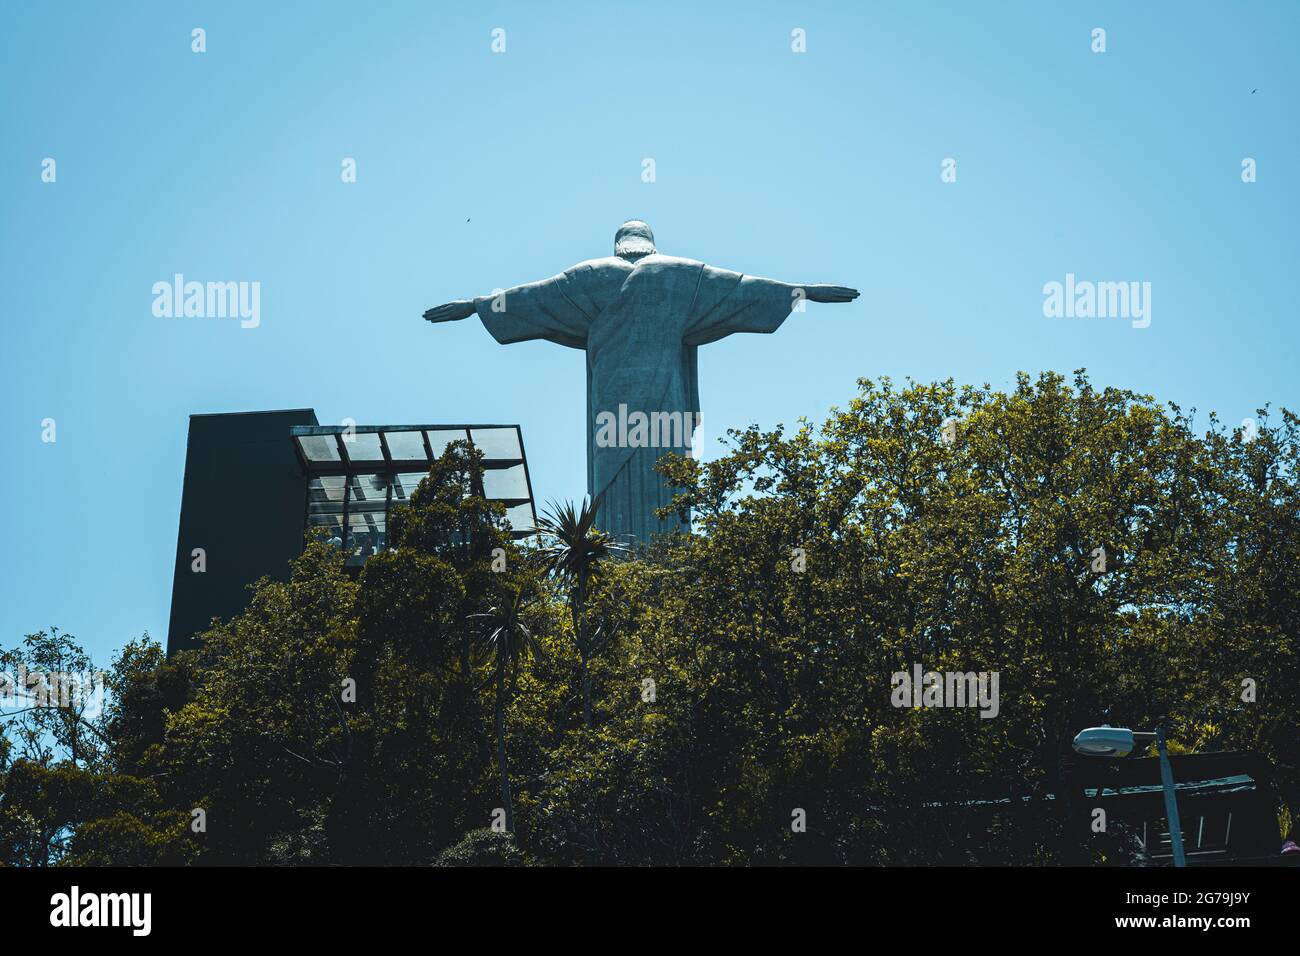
359, 474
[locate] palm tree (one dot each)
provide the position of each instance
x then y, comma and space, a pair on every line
574, 554
507, 639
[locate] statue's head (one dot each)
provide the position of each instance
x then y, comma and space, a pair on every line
634, 240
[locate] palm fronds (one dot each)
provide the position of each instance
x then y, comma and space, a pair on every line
576, 547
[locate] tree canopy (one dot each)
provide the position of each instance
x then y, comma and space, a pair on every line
1108, 558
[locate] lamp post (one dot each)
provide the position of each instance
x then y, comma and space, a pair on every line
1119, 742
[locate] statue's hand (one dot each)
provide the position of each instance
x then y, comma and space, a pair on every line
451, 312
830, 293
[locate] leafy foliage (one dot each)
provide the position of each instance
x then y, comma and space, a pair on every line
677, 706
482, 848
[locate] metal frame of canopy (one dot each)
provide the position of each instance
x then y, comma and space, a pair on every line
344, 451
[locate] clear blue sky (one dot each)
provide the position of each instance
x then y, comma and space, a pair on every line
815, 167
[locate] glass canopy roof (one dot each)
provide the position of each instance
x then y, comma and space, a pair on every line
358, 473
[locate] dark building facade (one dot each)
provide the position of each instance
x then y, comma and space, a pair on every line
257, 482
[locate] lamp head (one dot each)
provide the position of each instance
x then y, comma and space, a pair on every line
1104, 742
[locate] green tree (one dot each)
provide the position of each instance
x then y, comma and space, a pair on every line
342, 719
506, 638
71, 788
1107, 557
576, 552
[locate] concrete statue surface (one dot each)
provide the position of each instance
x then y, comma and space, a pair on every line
641, 317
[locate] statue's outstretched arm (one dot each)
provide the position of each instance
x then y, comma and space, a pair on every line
534, 310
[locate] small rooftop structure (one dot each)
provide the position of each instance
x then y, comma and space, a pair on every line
358, 474
258, 483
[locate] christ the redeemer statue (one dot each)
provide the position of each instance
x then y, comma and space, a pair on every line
640, 316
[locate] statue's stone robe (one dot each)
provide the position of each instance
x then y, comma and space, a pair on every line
641, 325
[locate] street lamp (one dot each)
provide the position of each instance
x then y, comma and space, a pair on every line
1119, 742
